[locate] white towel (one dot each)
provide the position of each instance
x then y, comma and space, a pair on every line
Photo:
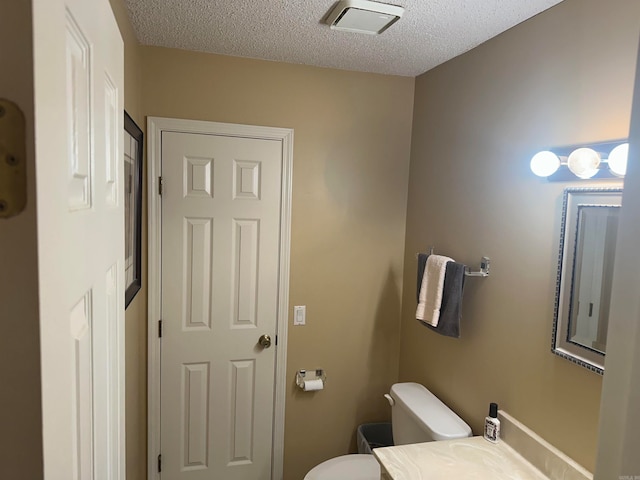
430, 299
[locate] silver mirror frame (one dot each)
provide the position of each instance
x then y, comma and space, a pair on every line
564, 277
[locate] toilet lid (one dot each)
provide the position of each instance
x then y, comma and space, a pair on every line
347, 467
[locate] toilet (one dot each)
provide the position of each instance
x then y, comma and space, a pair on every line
417, 416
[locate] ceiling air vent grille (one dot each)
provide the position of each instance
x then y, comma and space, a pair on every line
363, 16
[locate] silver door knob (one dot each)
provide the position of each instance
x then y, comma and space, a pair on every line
265, 341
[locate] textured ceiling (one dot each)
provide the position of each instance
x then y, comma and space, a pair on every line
429, 33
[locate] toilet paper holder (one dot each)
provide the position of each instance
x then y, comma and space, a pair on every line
317, 374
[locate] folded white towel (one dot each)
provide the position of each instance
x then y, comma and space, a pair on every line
430, 299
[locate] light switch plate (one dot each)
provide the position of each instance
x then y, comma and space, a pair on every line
299, 315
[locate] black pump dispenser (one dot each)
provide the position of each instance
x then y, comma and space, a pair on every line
493, 410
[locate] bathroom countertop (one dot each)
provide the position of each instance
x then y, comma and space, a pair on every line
467, 458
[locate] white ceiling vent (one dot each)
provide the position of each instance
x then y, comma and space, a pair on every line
363, 16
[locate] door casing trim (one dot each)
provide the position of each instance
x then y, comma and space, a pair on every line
155, 127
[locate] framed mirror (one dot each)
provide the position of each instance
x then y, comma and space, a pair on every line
588, 236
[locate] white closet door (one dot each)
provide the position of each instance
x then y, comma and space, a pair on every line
220, 264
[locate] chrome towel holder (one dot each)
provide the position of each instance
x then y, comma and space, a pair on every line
483, 271
485, 266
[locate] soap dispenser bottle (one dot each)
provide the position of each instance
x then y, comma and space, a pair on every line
492, 424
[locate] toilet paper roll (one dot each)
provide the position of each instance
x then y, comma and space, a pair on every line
312, 385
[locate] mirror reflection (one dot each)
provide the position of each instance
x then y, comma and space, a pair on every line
585, 271
592, 275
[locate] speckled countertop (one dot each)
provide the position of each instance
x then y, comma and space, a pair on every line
468, 458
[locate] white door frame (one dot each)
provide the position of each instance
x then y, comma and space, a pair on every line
155, 127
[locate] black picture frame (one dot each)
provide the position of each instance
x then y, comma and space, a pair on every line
132, 165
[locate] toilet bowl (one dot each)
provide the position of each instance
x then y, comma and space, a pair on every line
417, 416
346, 467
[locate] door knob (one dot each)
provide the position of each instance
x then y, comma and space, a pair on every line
265, 340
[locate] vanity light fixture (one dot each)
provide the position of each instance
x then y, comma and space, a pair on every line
583, 161
618, 159
545, 163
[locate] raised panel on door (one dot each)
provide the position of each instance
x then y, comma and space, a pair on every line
195, 415
198, 177
78, 95
244, 279
82, 394
197, 273
112, 158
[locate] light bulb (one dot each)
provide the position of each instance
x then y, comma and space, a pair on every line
545, 163
584, 162
618, 160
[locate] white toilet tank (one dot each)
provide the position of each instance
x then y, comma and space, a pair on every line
419, 416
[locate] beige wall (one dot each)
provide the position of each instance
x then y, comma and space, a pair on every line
563, 77
136, 314
20, 406
132, 72
351, 158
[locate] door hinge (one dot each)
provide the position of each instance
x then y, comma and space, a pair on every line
159, 463
13, 159
160, 186
160, 328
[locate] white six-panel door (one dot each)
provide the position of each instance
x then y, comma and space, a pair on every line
78, 72
221, 213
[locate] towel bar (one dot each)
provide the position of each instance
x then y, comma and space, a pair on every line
485, 266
